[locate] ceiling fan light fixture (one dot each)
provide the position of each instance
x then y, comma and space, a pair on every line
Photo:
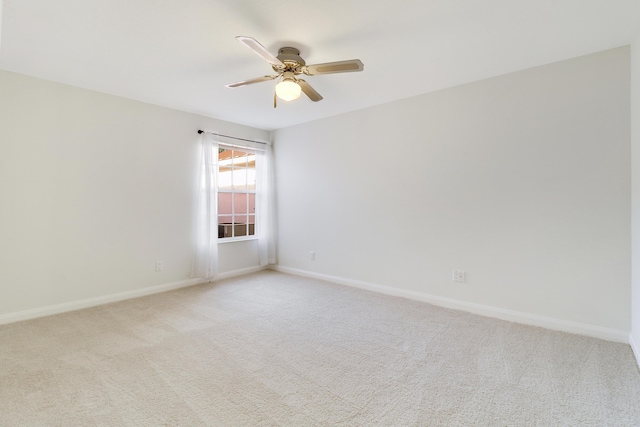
288, 89
288, 65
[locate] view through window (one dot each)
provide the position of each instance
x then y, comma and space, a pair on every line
236, 192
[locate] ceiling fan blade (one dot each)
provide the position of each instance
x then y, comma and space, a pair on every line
309, 91
334, 67
252, 81
260, 50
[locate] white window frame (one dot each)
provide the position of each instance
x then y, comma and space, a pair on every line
234, 191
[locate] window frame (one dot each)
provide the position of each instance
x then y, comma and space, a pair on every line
233, 191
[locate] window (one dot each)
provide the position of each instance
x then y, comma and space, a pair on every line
236, 192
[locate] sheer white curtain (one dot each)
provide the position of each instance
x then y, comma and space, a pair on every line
265, 204
205, 260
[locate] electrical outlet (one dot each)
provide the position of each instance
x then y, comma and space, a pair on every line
159, 266
312, 255
459, 276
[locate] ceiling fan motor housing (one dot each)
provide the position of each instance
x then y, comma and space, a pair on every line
290, 56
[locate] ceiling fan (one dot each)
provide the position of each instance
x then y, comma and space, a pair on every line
289, 65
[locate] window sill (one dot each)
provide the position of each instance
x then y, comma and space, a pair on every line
236, 239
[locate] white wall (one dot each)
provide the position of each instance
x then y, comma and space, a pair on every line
93, 190
635, 186
521, 180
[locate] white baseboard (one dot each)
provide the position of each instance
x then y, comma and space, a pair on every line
240, 272
635, 348
483, 310
121, 296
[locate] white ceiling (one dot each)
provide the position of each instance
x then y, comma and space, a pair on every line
180, 54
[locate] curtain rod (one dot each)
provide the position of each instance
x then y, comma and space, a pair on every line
233, 137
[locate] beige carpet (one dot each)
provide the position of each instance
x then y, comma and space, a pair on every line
272, 349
